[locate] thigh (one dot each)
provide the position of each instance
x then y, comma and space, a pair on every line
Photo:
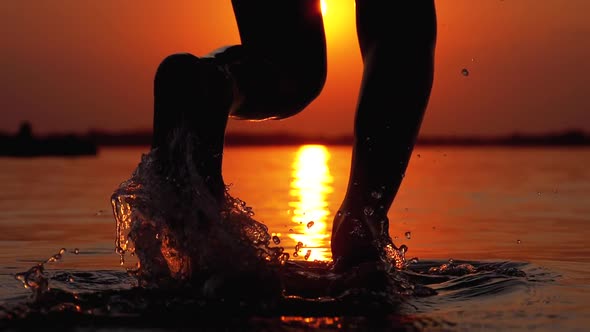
281, 29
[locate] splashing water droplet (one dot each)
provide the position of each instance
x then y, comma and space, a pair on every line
465, 72
310, 224
298, 246
408, 235
307, 254
376, 195
284, 258
62, 251
518, 242
76, 251
369, 211
276, 240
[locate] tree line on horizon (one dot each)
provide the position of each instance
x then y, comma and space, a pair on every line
143, 138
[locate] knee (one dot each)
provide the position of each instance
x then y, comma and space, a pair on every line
298, 92
311, 82
175, 66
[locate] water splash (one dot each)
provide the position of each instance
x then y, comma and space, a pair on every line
36, 279
452, 268
167, 218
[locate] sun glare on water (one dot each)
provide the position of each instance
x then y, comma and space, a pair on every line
311, 184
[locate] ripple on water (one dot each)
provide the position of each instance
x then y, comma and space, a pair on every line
198, 258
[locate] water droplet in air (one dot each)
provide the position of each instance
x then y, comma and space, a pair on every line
403, 248
290, 230
451, 261
307, 254
465, 72
276, 240
408, 235
299, 245
369, 211
295, 254
76, 251
376, 195
518, 242
70, 279
62, 251
310, 224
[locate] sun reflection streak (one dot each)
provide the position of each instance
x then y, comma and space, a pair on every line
311, 184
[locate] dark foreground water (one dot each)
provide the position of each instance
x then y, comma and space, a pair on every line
500, 237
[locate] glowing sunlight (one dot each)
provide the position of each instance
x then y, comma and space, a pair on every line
310, 186
324, 6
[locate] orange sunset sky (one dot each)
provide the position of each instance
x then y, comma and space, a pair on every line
71, 65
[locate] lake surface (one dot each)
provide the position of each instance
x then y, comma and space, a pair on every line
526, 208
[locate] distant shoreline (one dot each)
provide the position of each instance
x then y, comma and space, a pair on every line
565, 138
571, 138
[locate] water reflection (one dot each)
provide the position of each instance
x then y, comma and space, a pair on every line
310, 186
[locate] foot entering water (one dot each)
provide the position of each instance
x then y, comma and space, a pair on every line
359, 239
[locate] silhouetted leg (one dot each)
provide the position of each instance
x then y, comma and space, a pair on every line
397, 41
192, 96
264, 78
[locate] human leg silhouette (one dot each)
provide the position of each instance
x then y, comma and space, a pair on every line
397, 42
263, 78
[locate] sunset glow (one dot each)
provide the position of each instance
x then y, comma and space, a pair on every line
97, 62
